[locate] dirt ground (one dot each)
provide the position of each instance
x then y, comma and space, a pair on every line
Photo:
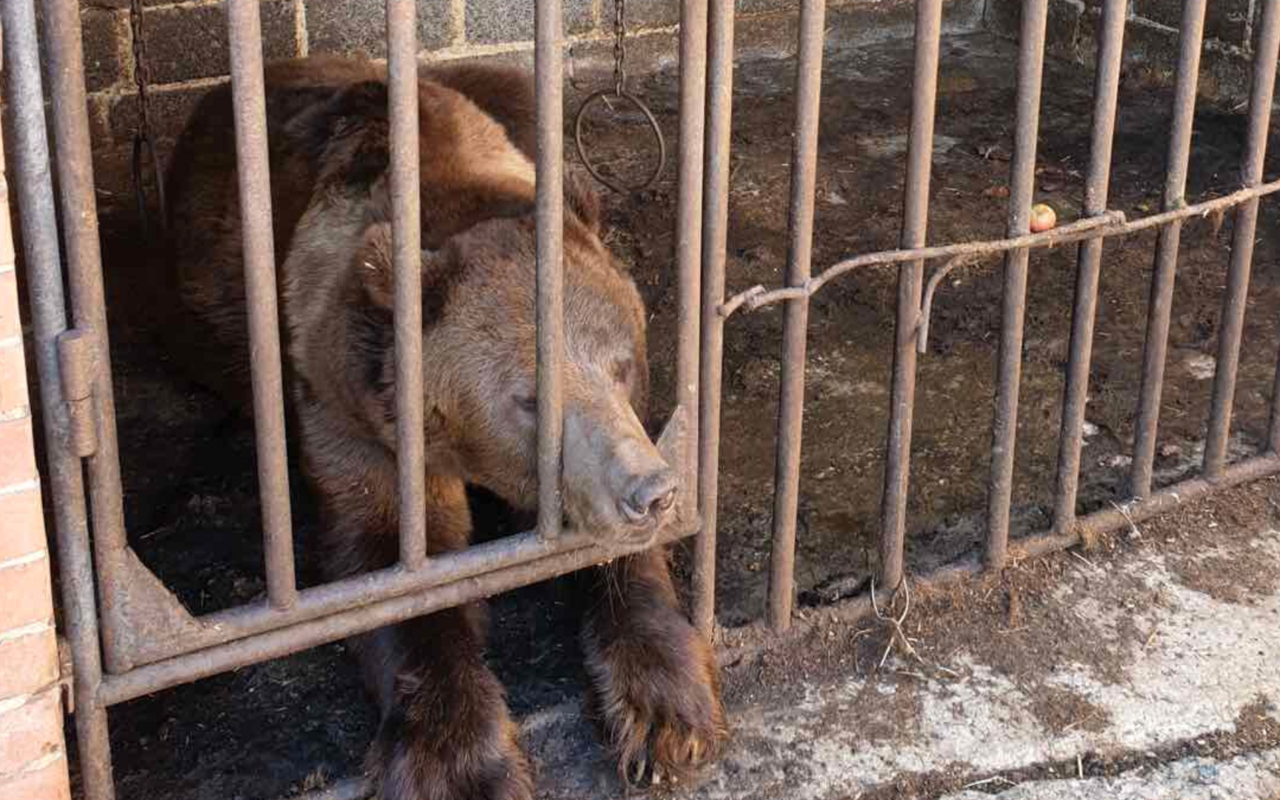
191, 502
1021, 626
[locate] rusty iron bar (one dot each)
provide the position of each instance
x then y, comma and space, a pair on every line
804, 160
244, 27
1160, 304
1246, 223
354, 619
84, 270
715, 228
1022, 184
43, 275
549, 58
1112, 223
330, 598
406, 246
915, 225
1089, 265
693, 102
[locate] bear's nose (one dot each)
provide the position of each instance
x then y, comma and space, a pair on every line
650, 498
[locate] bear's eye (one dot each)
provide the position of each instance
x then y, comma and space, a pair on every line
622, 369
527, 403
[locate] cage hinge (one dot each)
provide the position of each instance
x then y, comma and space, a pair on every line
77, 367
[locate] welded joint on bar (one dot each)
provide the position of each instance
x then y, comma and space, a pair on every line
77, 371
926, 305
1106, 224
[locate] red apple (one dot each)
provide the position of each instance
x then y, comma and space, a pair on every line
1043, 218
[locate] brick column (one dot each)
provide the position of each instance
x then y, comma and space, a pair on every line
33, 764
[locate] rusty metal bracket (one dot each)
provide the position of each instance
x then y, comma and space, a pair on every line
77, 368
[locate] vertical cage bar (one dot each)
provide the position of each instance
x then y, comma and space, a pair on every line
693, 111
915, 225
1166, 262
715, 228
84, 269
1089, 264
549, 69
406, 235
1021, 194
1237, 294
804, 173
43, 273
249, 98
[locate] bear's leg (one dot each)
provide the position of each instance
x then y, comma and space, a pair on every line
446, 733
654, 686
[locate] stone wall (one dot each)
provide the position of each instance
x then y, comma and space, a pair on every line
1151, 39
187, 45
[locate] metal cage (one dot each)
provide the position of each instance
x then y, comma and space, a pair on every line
130, 637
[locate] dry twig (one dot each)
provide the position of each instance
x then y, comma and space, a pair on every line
895, 623
1124, 512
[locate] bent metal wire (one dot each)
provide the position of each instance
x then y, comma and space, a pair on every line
129, 637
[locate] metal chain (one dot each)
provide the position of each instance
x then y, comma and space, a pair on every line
141, 69
143, 145
621, 96
619, 46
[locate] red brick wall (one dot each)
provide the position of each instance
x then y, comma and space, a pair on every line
33, 762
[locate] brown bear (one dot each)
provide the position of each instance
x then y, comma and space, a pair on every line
446, 733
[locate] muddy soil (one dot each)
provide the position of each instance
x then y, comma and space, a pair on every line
192, 503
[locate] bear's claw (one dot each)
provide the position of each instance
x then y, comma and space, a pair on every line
658, 700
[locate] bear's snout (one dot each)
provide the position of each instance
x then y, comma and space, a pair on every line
649, 498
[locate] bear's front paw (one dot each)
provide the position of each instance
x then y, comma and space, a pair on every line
656, 693
414, 762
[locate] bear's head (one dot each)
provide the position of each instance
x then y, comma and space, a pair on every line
479, 289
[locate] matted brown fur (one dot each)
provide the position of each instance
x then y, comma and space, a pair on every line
446, 732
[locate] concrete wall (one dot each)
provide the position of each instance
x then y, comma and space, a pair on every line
1151, 39
187, 44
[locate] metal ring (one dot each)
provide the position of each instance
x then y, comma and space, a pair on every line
653, 125
139, 143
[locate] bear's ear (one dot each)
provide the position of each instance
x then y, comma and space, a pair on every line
374, 266
330, 116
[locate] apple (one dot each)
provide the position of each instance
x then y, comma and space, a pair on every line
1043, 218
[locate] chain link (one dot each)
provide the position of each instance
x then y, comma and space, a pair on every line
143, 144
619, 46
141, 69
